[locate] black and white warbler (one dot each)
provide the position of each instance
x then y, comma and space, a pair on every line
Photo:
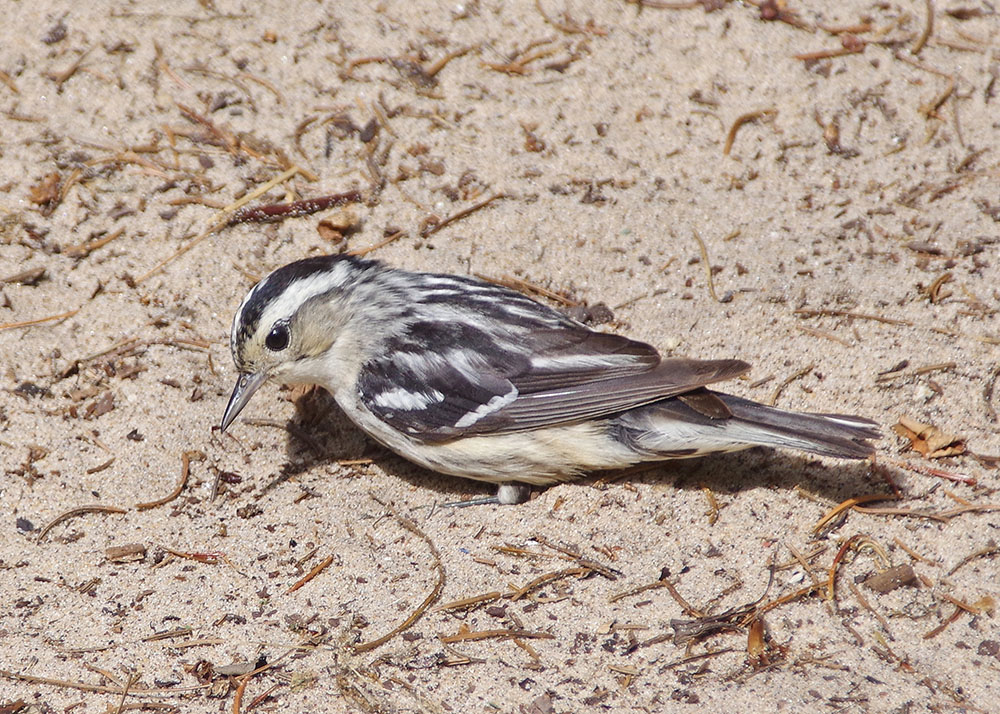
471, 379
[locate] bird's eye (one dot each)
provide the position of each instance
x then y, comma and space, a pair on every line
277, 338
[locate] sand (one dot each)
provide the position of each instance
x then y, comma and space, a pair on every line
861, 184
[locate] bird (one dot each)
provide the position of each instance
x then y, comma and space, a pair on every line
472, 379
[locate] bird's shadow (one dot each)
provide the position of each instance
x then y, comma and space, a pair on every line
321, 433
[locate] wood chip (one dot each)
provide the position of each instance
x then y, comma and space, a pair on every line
45, 191
889, 580
125, 553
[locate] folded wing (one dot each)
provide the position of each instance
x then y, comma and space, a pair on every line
473, 383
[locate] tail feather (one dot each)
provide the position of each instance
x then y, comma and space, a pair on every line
673, 427
839, 435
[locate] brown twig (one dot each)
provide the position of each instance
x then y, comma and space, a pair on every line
849, 503
988, 552
60, 78
209, 558
931, 471
73, 512
185, 471
238, 695
221, 222
244, 678
82, 250
432, 228
464, 635
781, 387
638, 590
168, 634
802, 561
708, 266
9, 81
740, 121
104, 673
200, 642
101, 466
98, 688
260, 698
914, 554
906, 512
863, 601
469, 602
988, 389
941, 366
928, 28
391, 238
323, 565
440, 64
568, 554
294, 209
133, 677
38, 321
685, 605
428, 601
545, 580
264, 83
805, 312
944, 625
521, 552
855, 542
932, 106
222, 138
831, 53
518, 64
825, 335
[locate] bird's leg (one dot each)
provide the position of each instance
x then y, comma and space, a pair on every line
509, 493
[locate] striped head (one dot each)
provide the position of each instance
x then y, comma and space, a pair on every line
288, 325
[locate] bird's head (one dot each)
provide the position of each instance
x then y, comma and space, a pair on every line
291, 327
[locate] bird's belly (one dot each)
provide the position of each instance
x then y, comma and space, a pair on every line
540, 456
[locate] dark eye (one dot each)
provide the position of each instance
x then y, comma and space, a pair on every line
277, 338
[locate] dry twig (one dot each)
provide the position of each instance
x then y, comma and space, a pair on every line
744, 119
428, 601
185, 472
73, 512
323, 565
436, 225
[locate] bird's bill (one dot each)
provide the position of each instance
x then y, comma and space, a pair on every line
246, 385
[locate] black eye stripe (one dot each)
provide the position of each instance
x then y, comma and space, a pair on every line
277, 338
278, 282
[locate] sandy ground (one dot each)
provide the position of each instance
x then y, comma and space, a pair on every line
860, 183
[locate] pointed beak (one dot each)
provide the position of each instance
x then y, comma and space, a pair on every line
246, 385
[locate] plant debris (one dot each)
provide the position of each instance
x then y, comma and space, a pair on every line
927, 440
892, 578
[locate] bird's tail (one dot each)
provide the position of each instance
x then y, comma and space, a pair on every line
684, 427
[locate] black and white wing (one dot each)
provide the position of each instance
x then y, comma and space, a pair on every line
439, 380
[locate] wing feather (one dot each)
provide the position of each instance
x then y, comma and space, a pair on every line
450, 379
597, 398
